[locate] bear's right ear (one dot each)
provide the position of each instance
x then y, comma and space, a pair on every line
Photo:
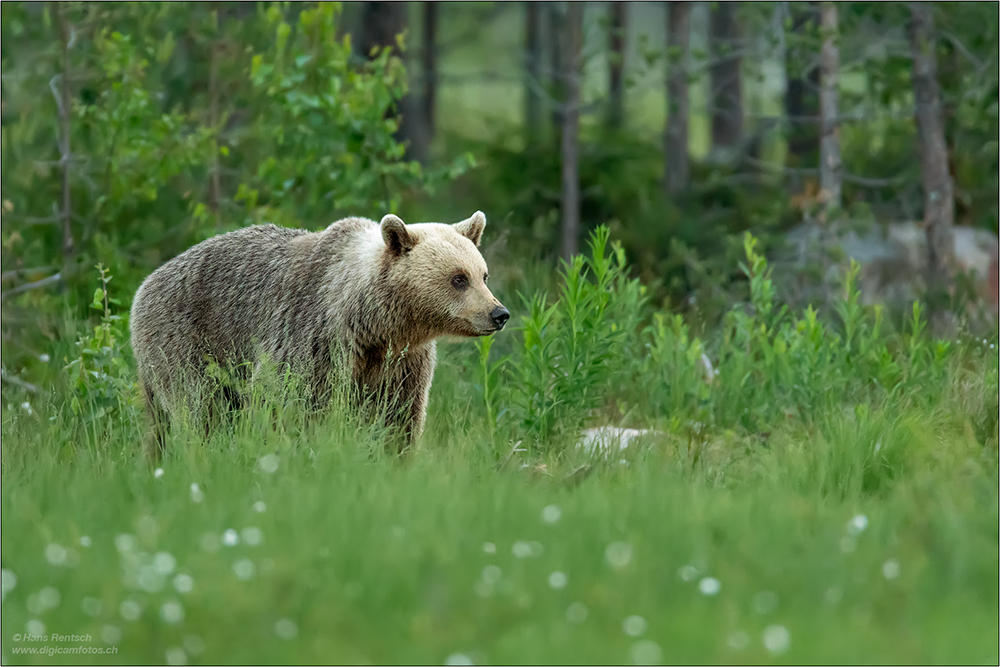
397, 237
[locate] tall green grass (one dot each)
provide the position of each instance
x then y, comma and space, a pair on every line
817, 492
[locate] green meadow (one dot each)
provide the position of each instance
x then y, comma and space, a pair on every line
821, 491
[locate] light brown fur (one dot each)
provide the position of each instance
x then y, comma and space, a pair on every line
380, 293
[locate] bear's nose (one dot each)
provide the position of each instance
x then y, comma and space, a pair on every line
500, 317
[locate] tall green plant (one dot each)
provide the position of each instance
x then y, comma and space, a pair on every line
771, 366
571, 351
102, 381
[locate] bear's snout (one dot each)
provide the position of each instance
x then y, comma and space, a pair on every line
499, 317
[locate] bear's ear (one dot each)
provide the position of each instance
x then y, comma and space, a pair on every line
472, 228
397, 237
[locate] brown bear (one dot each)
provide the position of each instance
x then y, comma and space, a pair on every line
371, 296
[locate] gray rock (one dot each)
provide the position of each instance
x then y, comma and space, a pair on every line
893, 259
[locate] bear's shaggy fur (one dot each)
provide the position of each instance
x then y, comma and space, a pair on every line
377, 294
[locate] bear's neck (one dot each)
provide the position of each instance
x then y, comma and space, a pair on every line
381, 319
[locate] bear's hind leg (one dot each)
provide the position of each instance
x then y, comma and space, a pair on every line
160, 421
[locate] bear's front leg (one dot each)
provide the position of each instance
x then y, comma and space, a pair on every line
409, 385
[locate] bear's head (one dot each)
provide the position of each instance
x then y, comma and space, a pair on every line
441, 276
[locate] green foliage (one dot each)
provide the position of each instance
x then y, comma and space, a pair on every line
815, 471
596, 353
879, 508
680, 247
490, 374
326, 140
885, 145
101, 378
142, 155
833, 475
181, 129
566, 362
773, 366
138, 150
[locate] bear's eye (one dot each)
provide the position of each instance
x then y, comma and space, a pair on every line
486, 277
460, 281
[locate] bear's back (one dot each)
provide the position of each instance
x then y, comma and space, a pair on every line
237, 293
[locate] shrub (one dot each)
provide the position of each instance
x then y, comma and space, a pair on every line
102, 381
567, 360
587, 356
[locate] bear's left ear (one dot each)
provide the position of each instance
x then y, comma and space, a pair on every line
472, 228
397, 237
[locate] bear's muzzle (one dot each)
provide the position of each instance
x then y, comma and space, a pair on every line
500, 315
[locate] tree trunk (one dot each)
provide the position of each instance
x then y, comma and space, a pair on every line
802, 94
380, 23
571, 118
430, 68
939, 202
533, 61
68, 245
727, 88
215, 183
243, 10
829, 149
556, 44
616, 64
677, 167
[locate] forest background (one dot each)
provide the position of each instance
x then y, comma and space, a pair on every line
745, 410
